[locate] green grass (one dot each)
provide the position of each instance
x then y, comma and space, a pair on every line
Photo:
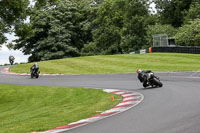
126, 63
24, 108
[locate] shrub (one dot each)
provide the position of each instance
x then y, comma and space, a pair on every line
189, 34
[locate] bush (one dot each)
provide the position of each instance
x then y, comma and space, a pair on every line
189, 34
89, 49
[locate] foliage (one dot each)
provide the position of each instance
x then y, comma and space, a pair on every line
11, 11
189, 34
89, 49
42, 3
68, 28
172, 11
135, 25
106, 34
55, 32
194, 11
159, 29
120, 27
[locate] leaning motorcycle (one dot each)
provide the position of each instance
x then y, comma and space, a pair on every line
153, 80
35, 73
11, 62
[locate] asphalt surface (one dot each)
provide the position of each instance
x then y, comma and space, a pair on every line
174, 108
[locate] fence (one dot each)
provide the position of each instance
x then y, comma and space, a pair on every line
177, 49
160, 40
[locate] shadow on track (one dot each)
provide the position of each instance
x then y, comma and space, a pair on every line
148, 88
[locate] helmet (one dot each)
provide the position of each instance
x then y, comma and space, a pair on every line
139, 71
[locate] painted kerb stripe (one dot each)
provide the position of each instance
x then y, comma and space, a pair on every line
130, 99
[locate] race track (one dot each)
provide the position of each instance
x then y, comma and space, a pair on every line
174, 108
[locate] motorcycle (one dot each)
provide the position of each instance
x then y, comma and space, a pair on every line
11, 60
153, 80
35, 73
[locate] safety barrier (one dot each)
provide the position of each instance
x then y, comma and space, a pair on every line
177, 49
143, 51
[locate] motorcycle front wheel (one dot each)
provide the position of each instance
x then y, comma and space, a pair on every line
31, 75
157, 82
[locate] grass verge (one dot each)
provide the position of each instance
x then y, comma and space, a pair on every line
126, 63
25, 108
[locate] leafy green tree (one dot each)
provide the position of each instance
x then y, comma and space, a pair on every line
90, 49
11, 11
189, 34
88, 10
135, 25
194, 11
159, 29
43, 3
3, 29
120, 27
106, 31
172, 11
55, 31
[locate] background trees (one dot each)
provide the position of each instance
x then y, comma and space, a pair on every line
68, 28
172, 11
120, 27
106, 30
11, 11
135, 25
193, 12
55, 31
189, 34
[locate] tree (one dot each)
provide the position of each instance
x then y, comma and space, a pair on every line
42, 3
55, 31
120, 27
107, 26
193, 12
135, 25
172, 11
11, 11
189, 34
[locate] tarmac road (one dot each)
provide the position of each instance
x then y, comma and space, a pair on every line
174, 108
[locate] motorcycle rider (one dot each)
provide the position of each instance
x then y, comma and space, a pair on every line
11, 59
35, 67
143, 76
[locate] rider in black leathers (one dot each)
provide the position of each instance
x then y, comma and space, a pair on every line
143, 76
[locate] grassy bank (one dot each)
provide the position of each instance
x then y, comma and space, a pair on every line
165, 62
25, 109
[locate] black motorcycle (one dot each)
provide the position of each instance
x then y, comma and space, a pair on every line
153, 80
11, 62
35, 73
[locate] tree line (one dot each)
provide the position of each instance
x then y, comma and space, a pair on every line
69, 28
